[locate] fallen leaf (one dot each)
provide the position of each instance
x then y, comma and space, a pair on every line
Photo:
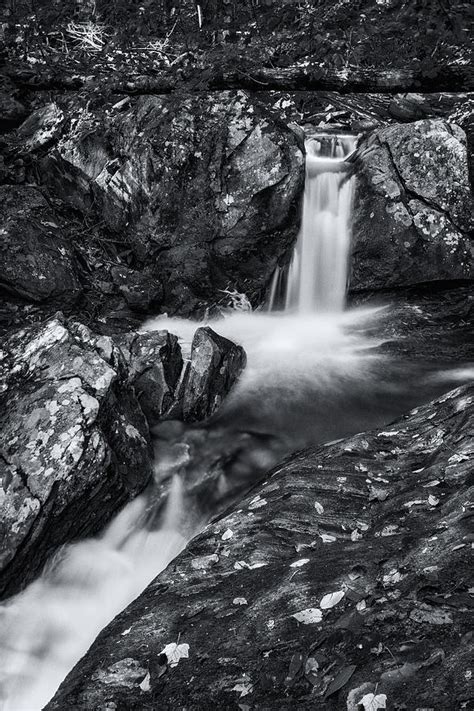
331, 599
432, 500
319, 507
204, 561
431, 615
295, 666
244, 688
327, 538
309, 616
240, 564
174, 652
227, 534
239, 601
371, 702
299, 563
257, 503
340, 680
145, 684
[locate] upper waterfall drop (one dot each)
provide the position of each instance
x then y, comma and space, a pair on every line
316, 277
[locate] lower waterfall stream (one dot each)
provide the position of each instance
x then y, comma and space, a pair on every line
314, 374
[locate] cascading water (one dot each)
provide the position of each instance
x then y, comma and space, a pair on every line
314, 373
315, 279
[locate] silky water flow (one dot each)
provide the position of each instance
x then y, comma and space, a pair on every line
314, 373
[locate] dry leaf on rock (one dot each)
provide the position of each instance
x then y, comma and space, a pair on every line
372, 702
331, 599
145, 684
309, 616
174, 652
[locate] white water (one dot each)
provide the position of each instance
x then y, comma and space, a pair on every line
316, 277
47, 629
312, 375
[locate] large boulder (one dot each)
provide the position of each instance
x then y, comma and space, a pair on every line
37, 262
205, 188
413, 207
342, 580
75, 443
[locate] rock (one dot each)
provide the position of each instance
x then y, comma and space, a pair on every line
37, 261
353, 561
42, 126
75, 443
412, 214
215, 365
205, 188
155, 364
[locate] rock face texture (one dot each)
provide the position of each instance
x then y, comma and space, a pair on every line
215, 365
202, 192
75, 443
36, 259
341, 578
155, 367
76, 411
413, 207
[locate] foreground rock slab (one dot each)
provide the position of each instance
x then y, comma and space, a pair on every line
75, 443
343, 579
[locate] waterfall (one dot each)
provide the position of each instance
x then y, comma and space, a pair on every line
315, 279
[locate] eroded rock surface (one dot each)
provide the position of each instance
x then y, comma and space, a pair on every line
75, 443
204, 188
344, 574
413, 207
37, 262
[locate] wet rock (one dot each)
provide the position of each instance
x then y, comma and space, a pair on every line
344, 575
412, 216
155, 365
215, 365
36, 259
205, 188
75, 443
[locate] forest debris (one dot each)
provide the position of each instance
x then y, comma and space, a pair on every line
239, 601
227, 534
327, 538
295, 666
431, 615
299, 563
319, 507
174, 652
309, 616
243, 688
145, 684
331, 600
340, 680
372, 702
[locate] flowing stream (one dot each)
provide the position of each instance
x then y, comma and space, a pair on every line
315, 279
313, 375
